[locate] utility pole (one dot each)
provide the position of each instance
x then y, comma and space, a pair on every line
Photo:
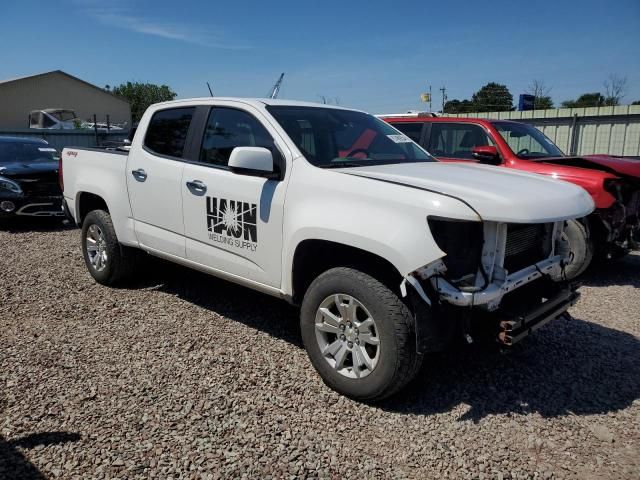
444, 97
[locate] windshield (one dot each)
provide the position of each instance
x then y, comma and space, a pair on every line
25, 152
63, 115
527, 142
333, 138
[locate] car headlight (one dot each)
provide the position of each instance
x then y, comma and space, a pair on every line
10, 185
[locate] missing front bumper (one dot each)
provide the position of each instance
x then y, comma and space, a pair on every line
521, 325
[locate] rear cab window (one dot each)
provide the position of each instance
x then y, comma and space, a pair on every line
167, 131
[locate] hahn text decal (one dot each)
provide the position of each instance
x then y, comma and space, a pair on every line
232, 222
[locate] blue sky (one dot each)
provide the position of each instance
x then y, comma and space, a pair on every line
378, 56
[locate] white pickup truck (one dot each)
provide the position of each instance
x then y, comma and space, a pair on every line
388, 253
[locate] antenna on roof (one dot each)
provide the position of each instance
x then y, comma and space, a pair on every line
276, 88
209, 87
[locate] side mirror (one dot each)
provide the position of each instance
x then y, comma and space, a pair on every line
486, 154
251, 161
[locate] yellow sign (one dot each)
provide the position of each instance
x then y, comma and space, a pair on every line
425, 97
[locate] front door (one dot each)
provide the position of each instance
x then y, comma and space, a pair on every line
154, 175
233, 223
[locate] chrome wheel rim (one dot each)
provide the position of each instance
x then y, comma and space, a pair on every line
347, 336
96, 248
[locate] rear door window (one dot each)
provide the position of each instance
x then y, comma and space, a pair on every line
411, 130
456, 140
167, 131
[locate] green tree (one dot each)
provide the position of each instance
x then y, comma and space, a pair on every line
493, 97
542, 103
637, 102
141, 95
594, 99
457, 106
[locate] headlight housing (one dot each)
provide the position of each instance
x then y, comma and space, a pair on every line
10, 185
462, 241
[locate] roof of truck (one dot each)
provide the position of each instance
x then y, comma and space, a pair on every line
256, 102
433, 119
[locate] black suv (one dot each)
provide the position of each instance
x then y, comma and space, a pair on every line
29, 178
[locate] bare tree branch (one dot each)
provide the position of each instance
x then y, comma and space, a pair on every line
615, 88
539, 89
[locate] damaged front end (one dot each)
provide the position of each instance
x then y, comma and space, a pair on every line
501, 280
617, 229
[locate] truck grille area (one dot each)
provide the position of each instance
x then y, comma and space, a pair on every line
526, 245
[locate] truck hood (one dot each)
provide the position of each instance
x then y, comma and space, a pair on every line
496, 194
606, 163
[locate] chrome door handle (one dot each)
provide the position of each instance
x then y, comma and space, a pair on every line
197, 187
139, 174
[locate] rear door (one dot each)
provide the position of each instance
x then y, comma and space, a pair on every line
455, 141
154, 174
233, 222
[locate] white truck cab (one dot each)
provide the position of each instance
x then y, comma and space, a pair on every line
389, 253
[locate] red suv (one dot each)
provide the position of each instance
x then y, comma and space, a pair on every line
614, 182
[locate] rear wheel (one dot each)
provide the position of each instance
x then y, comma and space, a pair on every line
359, 335
580, 245
108, 262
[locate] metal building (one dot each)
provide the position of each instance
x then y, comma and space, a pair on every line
57, 89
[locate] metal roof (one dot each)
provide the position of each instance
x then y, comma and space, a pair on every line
44, 74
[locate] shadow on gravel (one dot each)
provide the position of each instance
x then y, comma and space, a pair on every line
14, 465
568, 367
254, 309
625, 271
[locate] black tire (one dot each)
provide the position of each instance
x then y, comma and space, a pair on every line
581, 246
121, 261
398, 361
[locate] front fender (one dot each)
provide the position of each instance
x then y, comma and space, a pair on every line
387, 220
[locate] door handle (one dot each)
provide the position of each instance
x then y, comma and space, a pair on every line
197, 187
139, 174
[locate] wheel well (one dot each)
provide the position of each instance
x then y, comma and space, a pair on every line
89, 202
313, 257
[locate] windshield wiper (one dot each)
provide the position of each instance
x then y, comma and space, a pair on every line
341, 164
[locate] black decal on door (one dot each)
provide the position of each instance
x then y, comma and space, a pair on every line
232, 222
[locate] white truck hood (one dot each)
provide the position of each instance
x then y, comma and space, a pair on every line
497, 194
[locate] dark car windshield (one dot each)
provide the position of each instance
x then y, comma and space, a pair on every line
334, 138
26, 152
527, 142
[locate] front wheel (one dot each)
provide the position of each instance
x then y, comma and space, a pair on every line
359, 335
581, 247
108, 262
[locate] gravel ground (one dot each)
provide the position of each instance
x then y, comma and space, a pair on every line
186, 376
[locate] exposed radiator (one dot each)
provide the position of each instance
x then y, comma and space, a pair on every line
526, 244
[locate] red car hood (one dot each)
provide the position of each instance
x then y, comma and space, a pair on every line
623, 166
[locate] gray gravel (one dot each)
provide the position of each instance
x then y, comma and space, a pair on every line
186, 376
